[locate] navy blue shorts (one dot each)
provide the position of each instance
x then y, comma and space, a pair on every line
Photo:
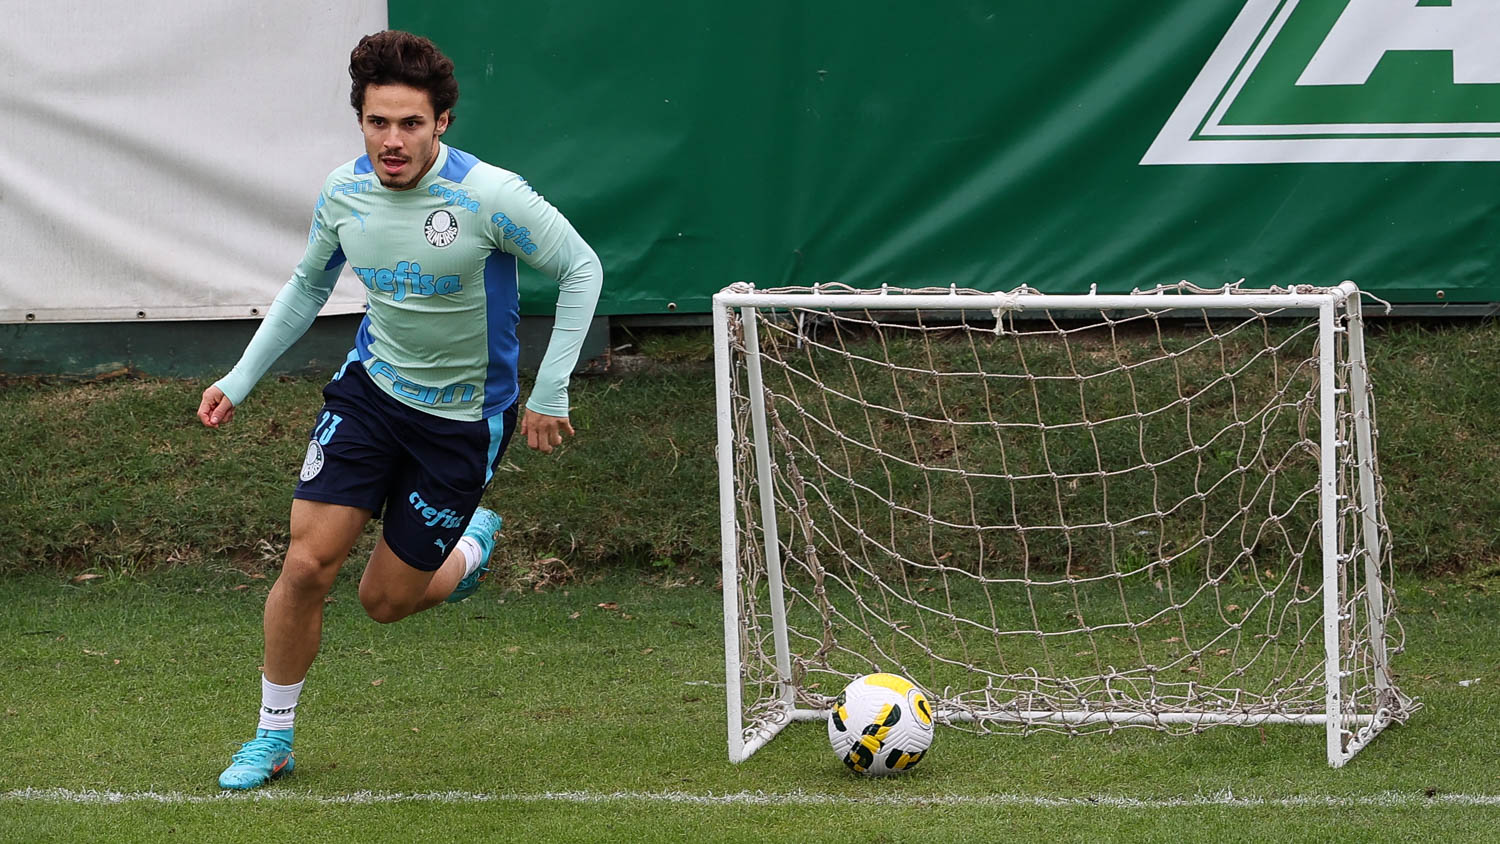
424, 473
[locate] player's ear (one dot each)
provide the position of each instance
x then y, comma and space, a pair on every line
442, 121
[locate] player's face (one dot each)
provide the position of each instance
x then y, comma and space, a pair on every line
401, 133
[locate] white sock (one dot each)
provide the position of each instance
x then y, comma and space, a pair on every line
278, 704
473, 554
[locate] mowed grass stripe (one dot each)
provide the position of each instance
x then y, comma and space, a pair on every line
1388, 800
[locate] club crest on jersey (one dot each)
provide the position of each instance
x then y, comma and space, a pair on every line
441, 228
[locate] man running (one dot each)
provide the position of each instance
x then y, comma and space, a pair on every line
415, 422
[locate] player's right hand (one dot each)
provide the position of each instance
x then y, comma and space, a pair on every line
216, 408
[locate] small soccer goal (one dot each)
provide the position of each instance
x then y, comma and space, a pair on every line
1074, 513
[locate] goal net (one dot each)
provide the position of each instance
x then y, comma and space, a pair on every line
1073, 513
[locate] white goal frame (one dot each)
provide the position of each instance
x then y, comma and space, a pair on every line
1337, 312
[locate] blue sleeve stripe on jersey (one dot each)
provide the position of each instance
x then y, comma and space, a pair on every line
503, 309
363, 165
458, 166
497, 436
335, 260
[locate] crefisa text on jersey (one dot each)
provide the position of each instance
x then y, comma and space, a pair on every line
520, 234
460, 198
407, 280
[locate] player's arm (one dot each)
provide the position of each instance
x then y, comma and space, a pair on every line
288, 318
538, 234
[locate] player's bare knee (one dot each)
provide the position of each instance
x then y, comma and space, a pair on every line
381, 606
307, 575
385, 613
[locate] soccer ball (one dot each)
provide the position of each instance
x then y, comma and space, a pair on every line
880, 724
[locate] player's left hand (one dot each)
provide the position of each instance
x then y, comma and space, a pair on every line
543, 432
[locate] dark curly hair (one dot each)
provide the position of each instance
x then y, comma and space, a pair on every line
394, 57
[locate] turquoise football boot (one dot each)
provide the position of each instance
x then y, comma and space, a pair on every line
482, 529
259, 760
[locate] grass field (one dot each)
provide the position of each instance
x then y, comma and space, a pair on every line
582, 698
543, 711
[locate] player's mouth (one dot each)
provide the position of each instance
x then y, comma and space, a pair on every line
394, 164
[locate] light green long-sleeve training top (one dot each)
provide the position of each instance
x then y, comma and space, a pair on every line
439, 263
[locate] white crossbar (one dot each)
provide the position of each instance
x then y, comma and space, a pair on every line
1033, 301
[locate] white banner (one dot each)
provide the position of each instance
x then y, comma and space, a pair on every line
162, 158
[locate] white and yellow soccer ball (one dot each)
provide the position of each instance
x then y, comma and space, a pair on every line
880, 724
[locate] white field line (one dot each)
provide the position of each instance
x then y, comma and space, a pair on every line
1382, 800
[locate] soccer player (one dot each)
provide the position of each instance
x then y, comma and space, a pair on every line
415, 422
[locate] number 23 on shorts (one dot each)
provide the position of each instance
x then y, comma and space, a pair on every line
326, 427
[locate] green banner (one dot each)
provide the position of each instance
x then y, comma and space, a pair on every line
994, 144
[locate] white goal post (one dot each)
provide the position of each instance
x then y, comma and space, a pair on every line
1072, 513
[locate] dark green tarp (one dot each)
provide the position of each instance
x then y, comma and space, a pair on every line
983, 144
